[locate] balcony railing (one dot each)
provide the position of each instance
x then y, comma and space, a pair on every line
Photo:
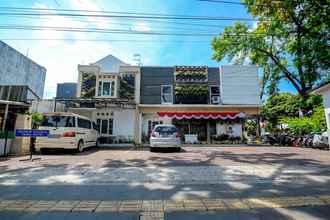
17, 93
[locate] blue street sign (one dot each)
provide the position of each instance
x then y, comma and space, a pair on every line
31, 133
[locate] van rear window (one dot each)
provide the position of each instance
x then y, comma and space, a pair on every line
58, 121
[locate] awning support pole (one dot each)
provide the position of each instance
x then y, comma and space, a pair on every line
6, 110
208, 135
55, 102
5, 117
258, 129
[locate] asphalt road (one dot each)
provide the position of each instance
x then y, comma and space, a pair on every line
200, 183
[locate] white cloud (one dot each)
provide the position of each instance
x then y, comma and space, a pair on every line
56, 21
61, 60
91, 6
40, 5
61, 57
141, 26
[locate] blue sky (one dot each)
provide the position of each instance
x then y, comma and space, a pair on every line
61, 57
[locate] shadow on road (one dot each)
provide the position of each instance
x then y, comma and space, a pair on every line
309, 182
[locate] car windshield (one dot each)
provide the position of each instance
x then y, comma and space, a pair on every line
58, 121
166, 129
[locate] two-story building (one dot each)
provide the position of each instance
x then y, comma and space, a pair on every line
208, 102
106, 94
128, 101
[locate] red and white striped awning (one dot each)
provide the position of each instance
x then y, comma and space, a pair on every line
202, 115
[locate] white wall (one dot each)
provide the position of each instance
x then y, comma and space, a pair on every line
223, 129
239, 84
220, 128
326, 103
123, 122
153, 117
46, 105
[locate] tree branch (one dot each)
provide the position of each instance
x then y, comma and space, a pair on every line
286, 72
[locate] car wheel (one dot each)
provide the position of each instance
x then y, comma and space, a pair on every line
152, 149
178, 149
80, 147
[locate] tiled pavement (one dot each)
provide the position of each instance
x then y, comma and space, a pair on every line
201, 183
155, 209
192, 156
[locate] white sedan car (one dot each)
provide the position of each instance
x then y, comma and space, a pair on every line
165, 136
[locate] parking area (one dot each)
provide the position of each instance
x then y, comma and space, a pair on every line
209, 182
189, 156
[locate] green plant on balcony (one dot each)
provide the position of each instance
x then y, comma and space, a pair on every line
189, 76
191, 90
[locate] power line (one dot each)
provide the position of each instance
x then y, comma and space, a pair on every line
56, 2
225, 2
117, 31
96, 11
148, 20
161, 26
102, 30
103, 40
199, 18
269, 4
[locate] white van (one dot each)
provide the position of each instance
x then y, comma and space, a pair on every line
67, 131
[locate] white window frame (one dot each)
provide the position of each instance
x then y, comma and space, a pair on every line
210, 92
114, 90
161, 94
108, 126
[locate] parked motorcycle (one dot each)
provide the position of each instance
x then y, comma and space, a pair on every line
314, 140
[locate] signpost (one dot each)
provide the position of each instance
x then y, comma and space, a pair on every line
31, 133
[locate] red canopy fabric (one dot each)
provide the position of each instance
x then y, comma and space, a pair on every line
202, 115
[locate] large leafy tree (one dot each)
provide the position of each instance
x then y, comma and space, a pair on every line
306, 125
286, 105
289, 41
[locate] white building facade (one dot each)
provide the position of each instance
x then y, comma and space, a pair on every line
112, 111
325, 92
128, 101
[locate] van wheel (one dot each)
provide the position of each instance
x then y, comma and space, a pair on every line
80, 147
43, 151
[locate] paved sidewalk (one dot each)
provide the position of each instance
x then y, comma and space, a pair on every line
200, 183
160, 206
176, 175
156, 209
192, 156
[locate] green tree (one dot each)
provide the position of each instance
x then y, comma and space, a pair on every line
250, 126
36, 119
305, 125
286, 105
290, 42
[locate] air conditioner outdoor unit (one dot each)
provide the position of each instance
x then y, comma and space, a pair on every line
215, 99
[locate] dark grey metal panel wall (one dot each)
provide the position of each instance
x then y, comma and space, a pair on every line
153, 77
213, 76
151, 80
66, 90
